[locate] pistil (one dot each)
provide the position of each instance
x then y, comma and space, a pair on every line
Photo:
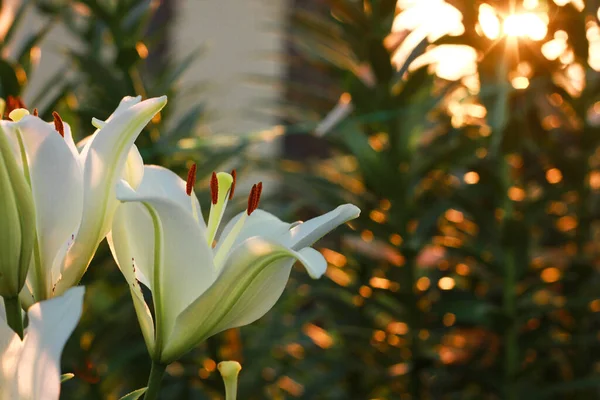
227, 242
220, 190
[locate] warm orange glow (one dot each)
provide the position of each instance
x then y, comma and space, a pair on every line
553, 175
471, 178
339, 276
378, 216
291, 386
516, 193
365, 291
595, 305
367, 235
385, 204
566, 223
333, 257
595, 179
520, 82
530, 25
397, 328
530, 4
449, 319
142, 50
379, 283
379, 336
209, 364
462, 269
489, 22
398, 369
395, 239
455, 216
551, 275
423, 283
318, 335
446, 283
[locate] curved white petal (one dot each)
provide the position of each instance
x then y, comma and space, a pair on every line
57, 188
125, 103
51, 322
10, 350
307, 233
164, 183
104, 162
133, 172
259, 223
160, 234
252, 280
124, 252
69, 139
297, 235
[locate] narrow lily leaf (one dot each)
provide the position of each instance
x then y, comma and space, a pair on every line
136, 394
252, 280
66, 377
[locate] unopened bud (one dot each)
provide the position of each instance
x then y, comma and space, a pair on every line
17, 221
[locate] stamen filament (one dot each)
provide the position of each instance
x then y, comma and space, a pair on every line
227, 242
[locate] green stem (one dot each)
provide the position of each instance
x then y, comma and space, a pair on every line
13, 314
156, 374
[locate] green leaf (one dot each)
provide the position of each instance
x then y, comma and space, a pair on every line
136, 394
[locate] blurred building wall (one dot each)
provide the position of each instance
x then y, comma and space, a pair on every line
242, 39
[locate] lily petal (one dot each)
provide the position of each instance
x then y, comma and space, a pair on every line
10, 350
168, 246
259, 223
298, 235
51, 322
252, 280
105, 160
124, 256
164, 183
57, 189
307, 233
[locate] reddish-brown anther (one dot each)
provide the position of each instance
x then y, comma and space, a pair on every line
232, 190
254, 198
191, 180
12, 103
58, 124
214, 188
35, 112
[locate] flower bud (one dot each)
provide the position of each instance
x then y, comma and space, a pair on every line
17, 222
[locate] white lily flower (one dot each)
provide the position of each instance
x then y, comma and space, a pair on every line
106, 157
159, 238
73, 193
30, 369
51, 170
